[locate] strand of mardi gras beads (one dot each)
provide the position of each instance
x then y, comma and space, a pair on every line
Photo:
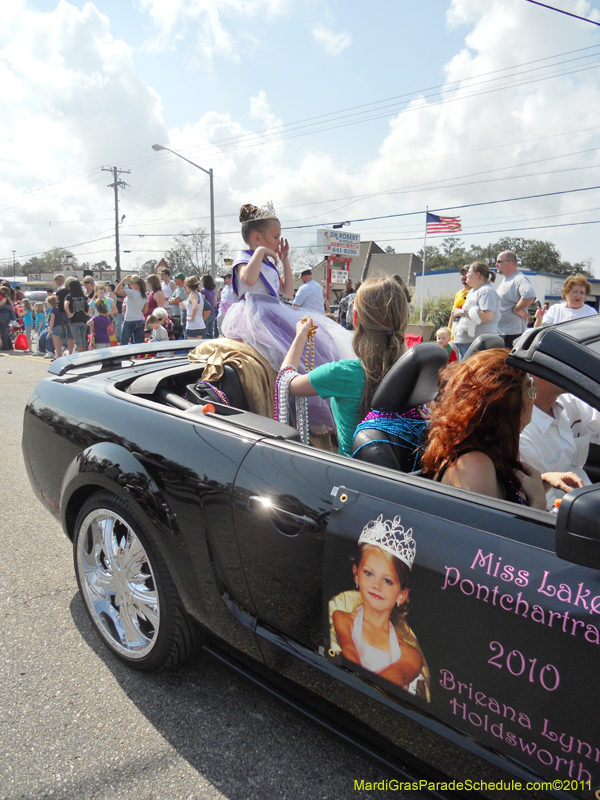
309, 353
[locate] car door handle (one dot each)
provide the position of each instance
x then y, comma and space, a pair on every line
265, 508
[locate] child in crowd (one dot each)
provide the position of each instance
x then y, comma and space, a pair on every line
443, 337
53, 318
26, 314
162, 316
264, 322
99, 325
159, 334
40, 319
101, 293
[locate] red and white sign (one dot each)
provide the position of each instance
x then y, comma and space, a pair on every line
338, 243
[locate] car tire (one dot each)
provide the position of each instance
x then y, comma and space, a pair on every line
127, 589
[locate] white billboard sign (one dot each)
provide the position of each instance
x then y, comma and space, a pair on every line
339, 276
338, 243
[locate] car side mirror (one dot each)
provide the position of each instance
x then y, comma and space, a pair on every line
578, 527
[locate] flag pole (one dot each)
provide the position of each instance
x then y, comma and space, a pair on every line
423, 268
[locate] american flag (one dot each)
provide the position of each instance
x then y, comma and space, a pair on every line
437, 224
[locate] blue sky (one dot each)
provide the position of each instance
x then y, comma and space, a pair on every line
88, 85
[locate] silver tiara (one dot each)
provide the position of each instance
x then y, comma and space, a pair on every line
391, 537
265, 212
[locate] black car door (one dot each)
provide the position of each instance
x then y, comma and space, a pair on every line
505, 633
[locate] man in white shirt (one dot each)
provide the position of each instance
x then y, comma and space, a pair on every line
168, 287
178, 300
557, 440
310, 295
516, 295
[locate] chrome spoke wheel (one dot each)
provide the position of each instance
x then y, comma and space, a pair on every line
117, 582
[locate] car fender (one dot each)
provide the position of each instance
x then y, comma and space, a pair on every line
111, 467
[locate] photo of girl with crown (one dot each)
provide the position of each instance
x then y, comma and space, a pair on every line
368, 625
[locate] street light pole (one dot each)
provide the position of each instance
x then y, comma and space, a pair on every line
209, 172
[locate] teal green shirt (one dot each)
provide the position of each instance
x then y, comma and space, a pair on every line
344, 383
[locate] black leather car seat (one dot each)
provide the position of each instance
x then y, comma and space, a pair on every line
412, 381
230, 385
487, 341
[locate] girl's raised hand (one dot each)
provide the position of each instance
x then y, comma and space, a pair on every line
539, 312
284, 249
270, 254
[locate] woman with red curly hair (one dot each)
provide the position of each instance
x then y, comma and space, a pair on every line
473, 439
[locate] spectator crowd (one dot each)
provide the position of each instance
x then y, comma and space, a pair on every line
528, 442
89, 315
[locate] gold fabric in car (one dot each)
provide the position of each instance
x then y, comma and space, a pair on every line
256, 374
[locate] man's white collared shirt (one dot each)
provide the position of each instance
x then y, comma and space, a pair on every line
560, 443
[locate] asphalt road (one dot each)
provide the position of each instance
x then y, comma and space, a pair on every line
75, 723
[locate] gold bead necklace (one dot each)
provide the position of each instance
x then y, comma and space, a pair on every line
309, 353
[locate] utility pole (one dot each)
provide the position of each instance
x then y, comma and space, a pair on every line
116, 184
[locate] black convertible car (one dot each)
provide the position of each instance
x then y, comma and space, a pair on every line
224, 527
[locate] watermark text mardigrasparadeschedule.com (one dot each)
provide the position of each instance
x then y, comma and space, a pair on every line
467, 785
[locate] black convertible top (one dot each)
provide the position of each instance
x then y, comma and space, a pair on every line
567, 355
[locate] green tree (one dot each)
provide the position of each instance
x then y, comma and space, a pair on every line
532, 254
435, 259
10, 269
55, 260
147, 268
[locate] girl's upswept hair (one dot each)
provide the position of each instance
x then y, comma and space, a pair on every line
382, 312
193, 282
478, 408
252, 221
154, 282
141, 284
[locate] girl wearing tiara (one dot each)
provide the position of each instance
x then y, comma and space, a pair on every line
265, 323
369, 633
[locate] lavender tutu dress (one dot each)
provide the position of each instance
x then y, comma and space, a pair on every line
268, 325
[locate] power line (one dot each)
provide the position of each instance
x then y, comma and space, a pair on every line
560, 11
296, 125
443, 208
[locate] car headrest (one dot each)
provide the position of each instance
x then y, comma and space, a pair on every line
487, 341
413, 380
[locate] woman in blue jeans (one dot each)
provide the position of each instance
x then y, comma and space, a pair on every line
133, 323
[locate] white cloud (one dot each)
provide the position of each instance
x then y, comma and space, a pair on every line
72, 101
496, 129
213, 23
333, 43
